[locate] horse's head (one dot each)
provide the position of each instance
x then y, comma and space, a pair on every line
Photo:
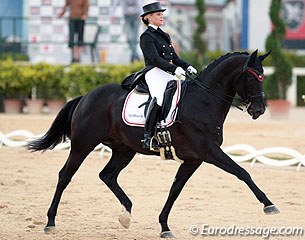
250, 86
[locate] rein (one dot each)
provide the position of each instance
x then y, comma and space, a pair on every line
222, 96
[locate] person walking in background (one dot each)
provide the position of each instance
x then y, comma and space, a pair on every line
77, 17
131, 10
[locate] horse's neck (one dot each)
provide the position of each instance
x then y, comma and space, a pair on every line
222, 77
220, 84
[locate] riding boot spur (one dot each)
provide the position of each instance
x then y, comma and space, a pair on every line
152, 117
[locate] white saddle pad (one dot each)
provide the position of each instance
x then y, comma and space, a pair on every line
132, 115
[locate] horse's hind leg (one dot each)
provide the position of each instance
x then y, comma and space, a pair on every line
221, 160
121, 157
72, 164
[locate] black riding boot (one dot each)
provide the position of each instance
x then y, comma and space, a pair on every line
150, 123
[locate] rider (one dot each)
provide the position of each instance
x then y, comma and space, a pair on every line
161, 63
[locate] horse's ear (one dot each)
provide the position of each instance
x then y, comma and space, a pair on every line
264, 56
252, 58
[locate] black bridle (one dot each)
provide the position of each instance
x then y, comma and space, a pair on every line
259, 76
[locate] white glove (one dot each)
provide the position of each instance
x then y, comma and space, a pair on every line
192, 70
180, 73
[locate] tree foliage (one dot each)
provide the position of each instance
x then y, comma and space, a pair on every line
198, 41
281, 79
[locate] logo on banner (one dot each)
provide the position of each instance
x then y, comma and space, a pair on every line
293, 13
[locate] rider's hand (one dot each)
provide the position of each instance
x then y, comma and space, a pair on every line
192, 70
180, 73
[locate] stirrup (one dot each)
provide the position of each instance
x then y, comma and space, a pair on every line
146, 143
151, 144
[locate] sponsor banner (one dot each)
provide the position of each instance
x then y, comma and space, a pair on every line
293, 12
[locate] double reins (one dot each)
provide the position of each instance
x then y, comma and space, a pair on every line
260, 77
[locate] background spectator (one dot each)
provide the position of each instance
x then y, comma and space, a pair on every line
132, 9
77, 17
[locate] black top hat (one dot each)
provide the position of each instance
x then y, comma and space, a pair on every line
151, 8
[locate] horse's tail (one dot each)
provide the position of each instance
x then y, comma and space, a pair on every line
59, 130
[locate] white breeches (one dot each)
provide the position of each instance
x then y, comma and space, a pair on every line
157, 80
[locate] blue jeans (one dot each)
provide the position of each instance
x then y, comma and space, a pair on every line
131, 29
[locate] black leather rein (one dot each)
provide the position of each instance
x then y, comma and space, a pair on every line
224, 97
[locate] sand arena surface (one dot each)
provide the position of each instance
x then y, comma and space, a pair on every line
88, 210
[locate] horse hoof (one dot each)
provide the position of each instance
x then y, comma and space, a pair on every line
268, 210
125, 218
167, 234
49, 229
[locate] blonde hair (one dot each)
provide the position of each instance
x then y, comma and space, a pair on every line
145, 20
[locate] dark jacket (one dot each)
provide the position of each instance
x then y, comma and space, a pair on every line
158, 51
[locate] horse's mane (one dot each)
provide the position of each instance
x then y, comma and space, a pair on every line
218, 60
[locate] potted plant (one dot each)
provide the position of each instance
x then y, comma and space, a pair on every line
277, 84
12, 87
44, 80
30, 75
56, 92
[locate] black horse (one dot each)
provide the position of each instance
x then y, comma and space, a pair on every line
96, 118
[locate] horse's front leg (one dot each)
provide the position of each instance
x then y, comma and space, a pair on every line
185, 171
223, 161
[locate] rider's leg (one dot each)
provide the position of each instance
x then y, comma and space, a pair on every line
156, 80
153, 113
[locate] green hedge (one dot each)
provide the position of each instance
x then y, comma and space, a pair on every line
56, 81
15, 56
11, 81
62, 82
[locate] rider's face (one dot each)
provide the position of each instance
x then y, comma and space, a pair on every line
156, 18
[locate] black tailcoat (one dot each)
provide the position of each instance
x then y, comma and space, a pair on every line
159, 52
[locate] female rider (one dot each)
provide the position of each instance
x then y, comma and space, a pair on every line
162, 64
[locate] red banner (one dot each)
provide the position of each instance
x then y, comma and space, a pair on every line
293, 13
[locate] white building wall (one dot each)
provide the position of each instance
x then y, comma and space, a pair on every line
223, 28
232, 25
259, 24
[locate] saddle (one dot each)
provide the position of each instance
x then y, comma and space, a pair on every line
137, 81
135, 108
169, 93
138, 99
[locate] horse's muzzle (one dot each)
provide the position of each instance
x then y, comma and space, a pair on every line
256, 112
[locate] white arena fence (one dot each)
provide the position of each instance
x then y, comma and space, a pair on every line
239, 153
